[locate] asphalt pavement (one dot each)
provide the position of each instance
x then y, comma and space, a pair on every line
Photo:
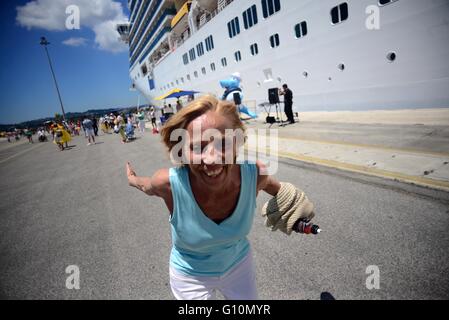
74, 207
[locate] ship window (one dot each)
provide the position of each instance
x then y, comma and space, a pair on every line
233, 27
195, 74
391, 56
209, 43
177, 81
269, 7
203, 70
238, 56
250, 17
144, 69
340, 13
274, 40
192, 54
224, 63
385, 2
212, 66
185, 58
188, 77
301, 29
200, 49
182, 80
254, 49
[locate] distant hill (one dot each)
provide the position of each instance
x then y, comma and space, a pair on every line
69, 115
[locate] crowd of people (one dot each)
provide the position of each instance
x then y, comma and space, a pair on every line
124, 125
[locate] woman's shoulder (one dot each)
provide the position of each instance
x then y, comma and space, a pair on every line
248, 165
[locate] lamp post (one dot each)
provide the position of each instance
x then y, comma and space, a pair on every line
44, 43
133, 88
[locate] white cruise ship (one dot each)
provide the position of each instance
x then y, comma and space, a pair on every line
333, 54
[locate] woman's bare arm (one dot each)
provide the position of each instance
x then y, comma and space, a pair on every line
157, 185
265, 182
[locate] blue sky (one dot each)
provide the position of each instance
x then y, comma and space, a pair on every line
90, 75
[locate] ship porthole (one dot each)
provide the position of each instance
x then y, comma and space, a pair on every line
391, 56
341, 67
305, 74
279, 79
258, 84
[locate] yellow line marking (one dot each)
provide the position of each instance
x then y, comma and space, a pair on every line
421, 181
20, 153
369, 146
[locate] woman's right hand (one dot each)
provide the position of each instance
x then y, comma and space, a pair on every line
131, 174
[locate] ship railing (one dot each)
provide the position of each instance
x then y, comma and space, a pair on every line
161, 58
209, 16
204, 20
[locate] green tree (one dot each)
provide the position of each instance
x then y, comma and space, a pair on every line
58, 117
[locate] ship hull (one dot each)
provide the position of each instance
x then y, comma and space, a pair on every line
334, 67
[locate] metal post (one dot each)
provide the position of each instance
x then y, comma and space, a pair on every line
44, 42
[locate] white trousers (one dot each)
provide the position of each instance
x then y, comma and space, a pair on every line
142, 125
239, 283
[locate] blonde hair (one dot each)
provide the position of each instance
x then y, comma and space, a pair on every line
195, 109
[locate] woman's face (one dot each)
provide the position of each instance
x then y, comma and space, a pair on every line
211, 149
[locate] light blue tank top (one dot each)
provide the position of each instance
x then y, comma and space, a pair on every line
200, 246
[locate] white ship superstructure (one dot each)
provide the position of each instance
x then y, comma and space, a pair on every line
329, 52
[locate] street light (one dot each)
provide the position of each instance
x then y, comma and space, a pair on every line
44, 43
133, 88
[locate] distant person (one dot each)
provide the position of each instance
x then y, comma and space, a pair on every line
89, 132
95, 126
141, 119
129, 131
168, 111
153, 118
58, 137
78, 127
29, 135
41, 135
178, 106
120, 127
288, 103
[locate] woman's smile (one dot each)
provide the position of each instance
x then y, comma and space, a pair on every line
212, 173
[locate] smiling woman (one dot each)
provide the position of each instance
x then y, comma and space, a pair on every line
211, 199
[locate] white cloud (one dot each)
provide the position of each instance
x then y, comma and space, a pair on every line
107, 37
99, 15
75, 42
